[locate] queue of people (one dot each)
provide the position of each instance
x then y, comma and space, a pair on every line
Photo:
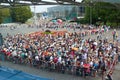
62, 53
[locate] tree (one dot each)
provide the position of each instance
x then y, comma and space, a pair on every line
102, 12
21, 13
4, 13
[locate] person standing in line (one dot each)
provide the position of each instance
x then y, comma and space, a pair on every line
115, 35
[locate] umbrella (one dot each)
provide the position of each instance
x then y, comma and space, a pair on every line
49, 53
59, 20
54, 21
95, 43
47, 32
74, 48
86, 65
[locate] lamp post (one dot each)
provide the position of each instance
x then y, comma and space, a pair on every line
91, 12
34, 15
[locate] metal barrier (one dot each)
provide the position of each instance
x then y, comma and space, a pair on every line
112, 67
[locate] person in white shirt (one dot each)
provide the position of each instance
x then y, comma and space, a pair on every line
59, 59
84, 56
37, 58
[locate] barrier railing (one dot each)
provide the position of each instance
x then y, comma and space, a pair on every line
112, 67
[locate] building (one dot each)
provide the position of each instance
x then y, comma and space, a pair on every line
66, 11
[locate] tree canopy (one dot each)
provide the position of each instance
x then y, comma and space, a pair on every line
4, 13
21, 14
102, 12
18, 14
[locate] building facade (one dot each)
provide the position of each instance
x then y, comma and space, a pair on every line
66, 12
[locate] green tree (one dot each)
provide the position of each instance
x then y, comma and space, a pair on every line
4, 13
21, 13
102, 12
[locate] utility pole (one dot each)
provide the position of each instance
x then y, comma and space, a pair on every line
91, 12
34, 15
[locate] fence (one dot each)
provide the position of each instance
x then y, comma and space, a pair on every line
112, 67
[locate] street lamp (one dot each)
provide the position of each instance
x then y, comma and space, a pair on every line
91, 12
34, 15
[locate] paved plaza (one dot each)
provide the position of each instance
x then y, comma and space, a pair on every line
48, 74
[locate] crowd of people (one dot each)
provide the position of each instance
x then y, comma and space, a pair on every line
62, 53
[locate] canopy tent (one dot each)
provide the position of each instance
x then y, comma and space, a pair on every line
11, 74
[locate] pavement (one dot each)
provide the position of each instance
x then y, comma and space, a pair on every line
45, 73
53, 75
56, 75
116, 73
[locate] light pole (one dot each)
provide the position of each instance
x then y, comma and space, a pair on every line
91, 12
34, 15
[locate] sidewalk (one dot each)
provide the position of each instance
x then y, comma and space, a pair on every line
116, 73
46, 74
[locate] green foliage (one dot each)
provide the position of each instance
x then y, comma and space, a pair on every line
21, 14
82, 21
1, 19
4, 13
102, 12
18, 14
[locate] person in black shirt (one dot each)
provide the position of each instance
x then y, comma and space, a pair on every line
109, 76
